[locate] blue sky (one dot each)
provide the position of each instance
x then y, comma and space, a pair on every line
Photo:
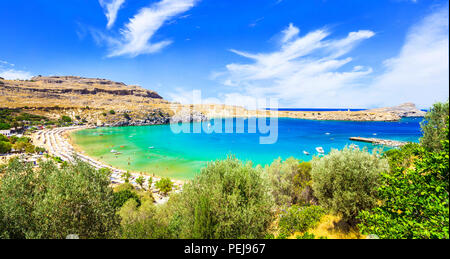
317, 53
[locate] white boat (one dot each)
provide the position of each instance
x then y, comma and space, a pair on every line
320, 150
151, 147
113, 151
328, 133
305, 152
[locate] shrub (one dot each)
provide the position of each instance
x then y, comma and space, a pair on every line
228, 199
414, 200
306, 235
52, 203
123, 196
433, 125
290, 182
143, 222
300, 219
401, 159
78, 117
126, 176
5, 147
4, 126
4, 138
112, 112
345, 181
127, 116
66, 119
164, 185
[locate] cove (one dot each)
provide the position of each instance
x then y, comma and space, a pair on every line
157, 150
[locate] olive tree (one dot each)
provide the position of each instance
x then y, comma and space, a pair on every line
345, 182
228, 199
52, 202
290, 182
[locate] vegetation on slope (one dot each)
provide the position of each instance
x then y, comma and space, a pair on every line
401, 194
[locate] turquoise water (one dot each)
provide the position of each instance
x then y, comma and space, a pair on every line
157, 150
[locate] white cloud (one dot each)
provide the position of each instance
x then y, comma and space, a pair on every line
311, 71
420, 73
12, 74
111, 8
305, 71
137, 34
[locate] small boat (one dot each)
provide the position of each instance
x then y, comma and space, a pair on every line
113, 151
151, 147
305, 152
328, 133
320, 150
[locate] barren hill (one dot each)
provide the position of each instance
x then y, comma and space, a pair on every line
74, 92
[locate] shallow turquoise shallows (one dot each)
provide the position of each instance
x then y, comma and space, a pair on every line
157, 150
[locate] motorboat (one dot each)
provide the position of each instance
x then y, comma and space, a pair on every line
320, 150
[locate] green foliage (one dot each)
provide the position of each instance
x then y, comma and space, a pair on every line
4, 126
104, 114
164, 185
290, 182
112, 112
4, 138
414, 200
143, 222
300, 219
105, 171
140, 180
24, 147
5, 147
52, 203
12, 118
433, 125
228, 199
401, 159
78, 117
66, 119
126, 177
127, 116
123, 196
345, 182
306, 235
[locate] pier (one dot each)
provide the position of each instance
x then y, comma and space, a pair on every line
377, 141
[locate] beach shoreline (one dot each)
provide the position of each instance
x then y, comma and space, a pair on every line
57, 142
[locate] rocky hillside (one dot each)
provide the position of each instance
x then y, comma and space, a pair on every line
71, 91
402, 110
88, 100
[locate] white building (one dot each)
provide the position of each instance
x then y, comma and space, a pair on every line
6, 133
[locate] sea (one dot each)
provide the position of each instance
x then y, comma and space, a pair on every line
158, 150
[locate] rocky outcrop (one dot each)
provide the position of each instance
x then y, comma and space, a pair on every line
186, 117
402, 110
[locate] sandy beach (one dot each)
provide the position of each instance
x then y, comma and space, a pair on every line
57, 143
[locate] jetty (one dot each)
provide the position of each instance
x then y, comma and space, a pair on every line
383, 142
